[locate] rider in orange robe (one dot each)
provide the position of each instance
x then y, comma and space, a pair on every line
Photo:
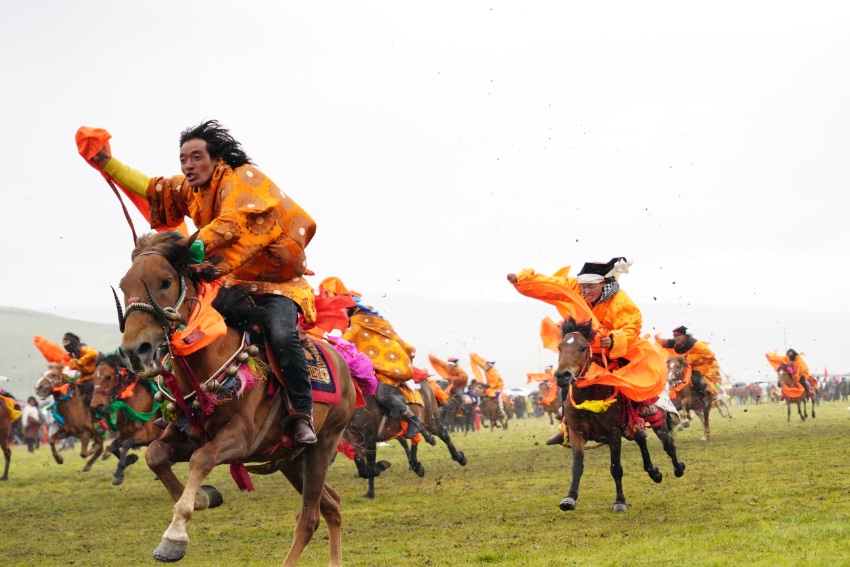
451, 371
548, 376
391, 357
696, 353
84, 361
495, 384
795, 360
251, 231
633, 365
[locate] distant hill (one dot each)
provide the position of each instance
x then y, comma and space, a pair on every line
22, 363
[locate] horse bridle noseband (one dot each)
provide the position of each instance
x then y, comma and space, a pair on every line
588, 358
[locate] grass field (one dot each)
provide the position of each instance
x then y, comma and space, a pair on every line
760, 493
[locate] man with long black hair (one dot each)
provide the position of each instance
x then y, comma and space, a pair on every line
252, 233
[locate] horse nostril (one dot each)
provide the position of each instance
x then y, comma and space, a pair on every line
144, 349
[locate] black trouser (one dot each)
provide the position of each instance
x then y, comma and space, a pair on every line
282, 333
391, 399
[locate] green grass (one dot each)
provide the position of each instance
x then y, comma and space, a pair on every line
761, 493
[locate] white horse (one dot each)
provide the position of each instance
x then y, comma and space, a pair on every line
723, 401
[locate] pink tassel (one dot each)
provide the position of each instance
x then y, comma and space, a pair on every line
246, 378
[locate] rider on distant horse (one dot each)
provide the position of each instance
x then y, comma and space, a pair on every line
84, 362
697, 354
619, 318
391, 357
451, 371
252, 233
495, 384
795, 360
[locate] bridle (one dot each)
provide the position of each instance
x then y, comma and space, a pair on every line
169, 316
588, 355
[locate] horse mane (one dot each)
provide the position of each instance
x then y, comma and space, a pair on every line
234, 302
585, 329
168, 245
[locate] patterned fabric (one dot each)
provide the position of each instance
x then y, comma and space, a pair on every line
256, 233
391, 357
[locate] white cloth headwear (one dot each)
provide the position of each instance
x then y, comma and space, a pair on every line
589, 278
620, 267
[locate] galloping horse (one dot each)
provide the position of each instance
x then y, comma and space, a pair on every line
549, 407
489, 408
234, 418
75, 419
574, 359
722, 401
794, 393
680, 379
127, 404
370, 426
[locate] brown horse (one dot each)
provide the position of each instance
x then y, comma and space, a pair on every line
242, 422
489, 408
75, 419
125, 401
783, 373
686, 399
5, 431
574, 359
549, 408
370, 426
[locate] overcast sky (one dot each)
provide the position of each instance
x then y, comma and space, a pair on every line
441, 145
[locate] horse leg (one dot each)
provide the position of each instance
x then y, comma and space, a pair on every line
97, 449
666, 438
788, 405
813, 407
228, 446
314, 470
7, 455
458, 456
329, 507
705, 430
118, 475
651, 470
577, 443
57, 436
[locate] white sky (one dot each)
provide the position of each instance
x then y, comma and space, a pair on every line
442, 145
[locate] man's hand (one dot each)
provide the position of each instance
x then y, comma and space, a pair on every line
606, 342
102, 157
512, 278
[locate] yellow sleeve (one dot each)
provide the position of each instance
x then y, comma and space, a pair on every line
126, 176
700, 357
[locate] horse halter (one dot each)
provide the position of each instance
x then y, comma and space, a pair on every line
169, 316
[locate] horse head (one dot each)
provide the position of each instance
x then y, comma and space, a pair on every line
158, 276
784, 374
108, 379
52, 378
677, 368
574, 351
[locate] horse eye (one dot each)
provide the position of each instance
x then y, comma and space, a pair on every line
166, 284
584, 349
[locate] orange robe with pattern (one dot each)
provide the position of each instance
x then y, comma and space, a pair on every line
457, 376
375, 337
618, 317
252, 230
801, 369
700, 357
491, 376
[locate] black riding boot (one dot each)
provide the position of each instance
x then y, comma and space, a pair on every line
391, 400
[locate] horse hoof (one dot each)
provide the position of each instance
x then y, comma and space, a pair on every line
679, 428
419, 469
567, 504
369, 495
462, 460
657, 476
703, 438
130, 460
680, 470
170, 551
116, 480
60, 460
620, 507
686, 424
85, 469
216, 499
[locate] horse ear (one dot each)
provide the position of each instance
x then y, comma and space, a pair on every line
187, 241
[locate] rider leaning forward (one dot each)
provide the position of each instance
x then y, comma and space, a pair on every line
619, 318
252, 233
697, 354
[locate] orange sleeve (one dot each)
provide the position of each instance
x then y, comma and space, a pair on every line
625, 321
439, 366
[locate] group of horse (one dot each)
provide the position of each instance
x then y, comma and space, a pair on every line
207, 423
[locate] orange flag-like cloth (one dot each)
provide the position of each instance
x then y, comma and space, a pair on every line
205, 324
51, 351
567, 301
550, 334
644, 377
776, 360
89, 142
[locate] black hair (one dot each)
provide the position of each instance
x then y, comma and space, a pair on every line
220, 144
